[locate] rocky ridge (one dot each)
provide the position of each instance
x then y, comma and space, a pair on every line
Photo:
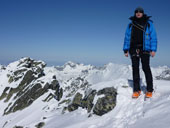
27, 80
62, 89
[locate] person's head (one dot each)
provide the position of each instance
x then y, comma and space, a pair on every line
139, 12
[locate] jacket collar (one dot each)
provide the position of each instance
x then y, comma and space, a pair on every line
145, 18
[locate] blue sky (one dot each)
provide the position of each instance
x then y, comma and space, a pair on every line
84, 31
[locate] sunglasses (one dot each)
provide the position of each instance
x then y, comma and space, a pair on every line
140, 11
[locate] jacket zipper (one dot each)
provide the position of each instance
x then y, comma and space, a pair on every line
144, 37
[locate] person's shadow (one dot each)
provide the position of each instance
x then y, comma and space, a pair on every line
142, 85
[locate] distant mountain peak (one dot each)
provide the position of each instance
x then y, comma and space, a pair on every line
71, 64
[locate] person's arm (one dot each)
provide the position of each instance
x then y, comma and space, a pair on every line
153, 40
126, 41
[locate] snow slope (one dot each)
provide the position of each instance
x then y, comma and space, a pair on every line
128, 113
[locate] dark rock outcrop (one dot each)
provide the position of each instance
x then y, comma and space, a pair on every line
4, 94
106, 103
102, 106
31, 83
87, 101
40, 125
27, 99
29, 88
75, 103
18, 127
58, 91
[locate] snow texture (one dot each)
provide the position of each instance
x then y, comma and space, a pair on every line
128, 113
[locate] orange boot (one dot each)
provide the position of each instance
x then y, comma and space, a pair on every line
136, 94
148, 94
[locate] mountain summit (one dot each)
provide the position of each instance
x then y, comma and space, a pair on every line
33, 95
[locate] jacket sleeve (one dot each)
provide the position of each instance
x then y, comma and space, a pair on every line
153, 36
126, 45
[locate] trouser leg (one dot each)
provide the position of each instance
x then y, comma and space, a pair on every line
135, 72
145, 59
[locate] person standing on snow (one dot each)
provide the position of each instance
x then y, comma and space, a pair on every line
141, 43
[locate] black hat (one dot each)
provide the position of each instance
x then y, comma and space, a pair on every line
139, 9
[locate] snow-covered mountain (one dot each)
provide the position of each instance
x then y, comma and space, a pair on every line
80, 96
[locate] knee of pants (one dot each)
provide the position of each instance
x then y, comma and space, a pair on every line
145, 68
135, 67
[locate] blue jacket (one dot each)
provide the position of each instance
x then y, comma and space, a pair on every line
149, 38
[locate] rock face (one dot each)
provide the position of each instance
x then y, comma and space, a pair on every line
87, 101
65, 87
102, 106
40, 125
106, 103
76, 102
29, 87
27, 99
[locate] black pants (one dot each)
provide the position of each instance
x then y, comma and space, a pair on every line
145, 59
